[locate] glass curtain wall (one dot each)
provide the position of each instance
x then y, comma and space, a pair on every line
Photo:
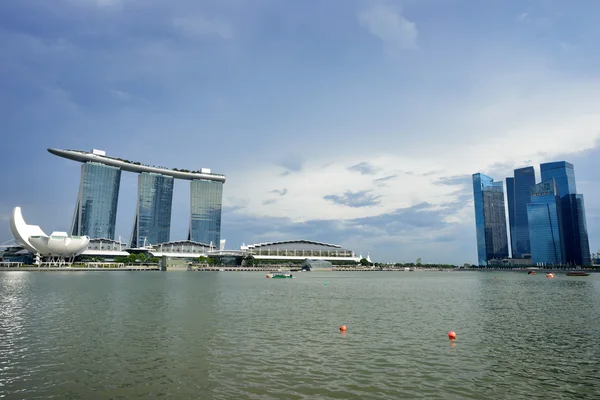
152, 223
524, 180
96, 209
490, 219
205, 216
544, 215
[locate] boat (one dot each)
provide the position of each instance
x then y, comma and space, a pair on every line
280, 275
550, 275
531, 273
577, 273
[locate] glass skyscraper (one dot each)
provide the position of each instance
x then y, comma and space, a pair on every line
575, 236
490, 219
545, 225
205, 217
510, 197
96, 209
524, 180
564, 175
152, 222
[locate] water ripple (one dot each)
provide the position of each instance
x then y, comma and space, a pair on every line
224, 336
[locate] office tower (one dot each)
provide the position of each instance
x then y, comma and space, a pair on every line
545, 225
205, 216
524, 180
96, 209
564, 175
152, 223
510, 197
575, 235
490, 219
573, 212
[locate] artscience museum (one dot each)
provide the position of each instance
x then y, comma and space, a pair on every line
58, 248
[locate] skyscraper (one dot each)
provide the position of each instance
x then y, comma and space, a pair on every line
575, 235
564, 175
545, 225
152, 223
574, 225
510, 197
205, 218
490, 219
524, 180
96, 209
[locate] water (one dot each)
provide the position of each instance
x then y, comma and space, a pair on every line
189, 335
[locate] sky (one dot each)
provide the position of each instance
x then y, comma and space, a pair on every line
356, 122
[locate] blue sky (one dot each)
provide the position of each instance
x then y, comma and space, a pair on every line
356, 122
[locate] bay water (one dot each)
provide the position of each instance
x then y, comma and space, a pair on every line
237, 335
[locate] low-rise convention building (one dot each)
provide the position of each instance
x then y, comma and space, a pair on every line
300, 250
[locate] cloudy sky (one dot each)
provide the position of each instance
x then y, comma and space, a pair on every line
356, 122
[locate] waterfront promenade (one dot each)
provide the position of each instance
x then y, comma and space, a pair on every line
78, 269
272, 268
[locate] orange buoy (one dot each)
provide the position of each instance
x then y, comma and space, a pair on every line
452, 335
267, 276
343, 328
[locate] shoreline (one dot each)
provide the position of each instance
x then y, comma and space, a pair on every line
274, 269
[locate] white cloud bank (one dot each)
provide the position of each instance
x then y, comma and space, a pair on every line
500, 126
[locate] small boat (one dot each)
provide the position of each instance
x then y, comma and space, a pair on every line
550, 275
280, 275
577, 273
531, 273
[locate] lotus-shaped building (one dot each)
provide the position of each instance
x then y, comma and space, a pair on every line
58, 246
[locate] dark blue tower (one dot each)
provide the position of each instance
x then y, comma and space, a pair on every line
524, 180
510, 196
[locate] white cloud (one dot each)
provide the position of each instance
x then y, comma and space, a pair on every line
390, 26
199, 25
508, 118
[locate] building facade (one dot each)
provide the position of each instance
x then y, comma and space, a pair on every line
564, 175
205, 217
574, 225
299, 250
96, 208
545, 224
510, 197
524, 180
152, 222
490, 219
575, 234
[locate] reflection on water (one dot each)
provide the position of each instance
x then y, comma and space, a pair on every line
239, 335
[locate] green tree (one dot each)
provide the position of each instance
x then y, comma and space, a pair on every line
131, 258
419, 261
213, 261
121, 259
364, 262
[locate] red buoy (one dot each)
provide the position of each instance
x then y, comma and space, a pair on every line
343, 328
452, 335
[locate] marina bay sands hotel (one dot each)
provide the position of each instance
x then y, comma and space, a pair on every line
96, 209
